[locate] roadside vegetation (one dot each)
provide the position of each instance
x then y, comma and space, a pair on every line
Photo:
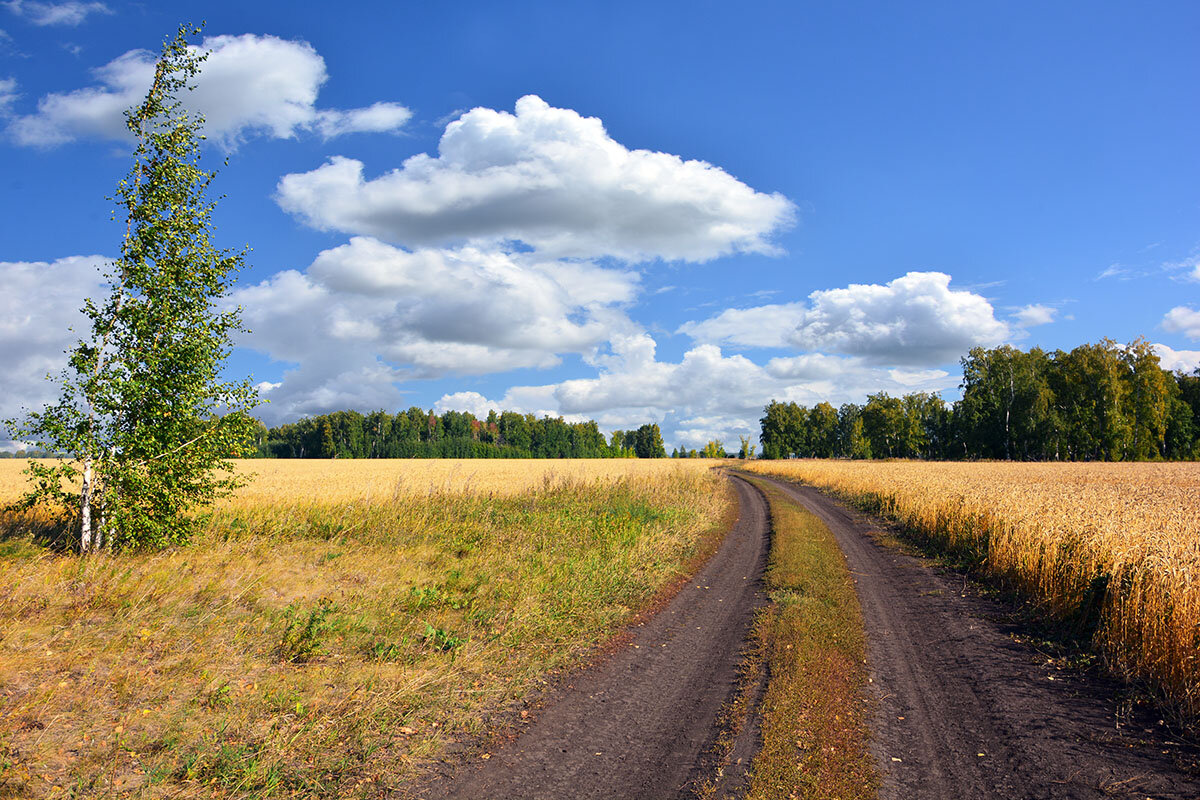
812, 642
1107, 552
327, 641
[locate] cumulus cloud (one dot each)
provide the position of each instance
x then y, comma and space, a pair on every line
916, 319
550, 178
1177, 360
70, 13
366, 314
1035, 314
1183, 319
250, 85
705, 395
760, 326
473, 402
39, 304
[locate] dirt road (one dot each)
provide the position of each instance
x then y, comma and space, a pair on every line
966, 711
638, 724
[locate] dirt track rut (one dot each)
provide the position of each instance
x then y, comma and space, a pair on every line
637, 725
966, 711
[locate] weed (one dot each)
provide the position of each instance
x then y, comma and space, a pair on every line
442, 640
302, 632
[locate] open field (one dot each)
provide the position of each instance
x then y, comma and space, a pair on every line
345, 480
329, 639
1110, 550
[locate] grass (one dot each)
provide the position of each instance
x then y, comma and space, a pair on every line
812, 641
329, 641
1107, 552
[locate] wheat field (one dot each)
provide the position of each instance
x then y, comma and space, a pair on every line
1112, 549
333, 627
276, 480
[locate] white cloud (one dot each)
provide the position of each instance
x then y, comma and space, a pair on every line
39, 304
1035, 314
250, 85
366, 314
760, 326
550, 178
69, 13
377, 118
916, 319
8, 95
1191, 267
474, 402
1177, 360
1183, 319
706, 395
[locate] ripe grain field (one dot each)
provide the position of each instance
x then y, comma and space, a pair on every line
1110, 550
333, 627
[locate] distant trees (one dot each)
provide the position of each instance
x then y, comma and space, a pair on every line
1101, 401
645, 442
417, 433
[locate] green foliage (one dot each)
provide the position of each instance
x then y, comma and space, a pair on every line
747, 449
417, 433
648, 442
443, 640
303, 630
143, 417
1099, 401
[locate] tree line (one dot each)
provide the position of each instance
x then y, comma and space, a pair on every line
417, 433
1097, 402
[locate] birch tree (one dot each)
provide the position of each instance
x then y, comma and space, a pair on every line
144, 421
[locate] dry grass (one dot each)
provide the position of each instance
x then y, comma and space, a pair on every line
1111, 550
328, 640
814, 712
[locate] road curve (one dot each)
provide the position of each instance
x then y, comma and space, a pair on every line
966, 711
638, 724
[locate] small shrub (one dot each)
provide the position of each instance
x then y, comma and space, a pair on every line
301, 639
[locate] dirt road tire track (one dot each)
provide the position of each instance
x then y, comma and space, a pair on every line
966, 711
638, 724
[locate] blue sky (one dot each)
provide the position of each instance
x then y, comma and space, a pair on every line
699, 207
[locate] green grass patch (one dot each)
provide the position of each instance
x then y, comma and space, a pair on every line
814, 713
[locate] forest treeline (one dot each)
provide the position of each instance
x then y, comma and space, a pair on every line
417, 433
1098, 402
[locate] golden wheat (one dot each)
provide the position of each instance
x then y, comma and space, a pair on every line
334, 480
1114, 545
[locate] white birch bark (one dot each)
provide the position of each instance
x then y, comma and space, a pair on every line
86, 534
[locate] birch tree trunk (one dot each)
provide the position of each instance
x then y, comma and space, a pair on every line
86, 536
